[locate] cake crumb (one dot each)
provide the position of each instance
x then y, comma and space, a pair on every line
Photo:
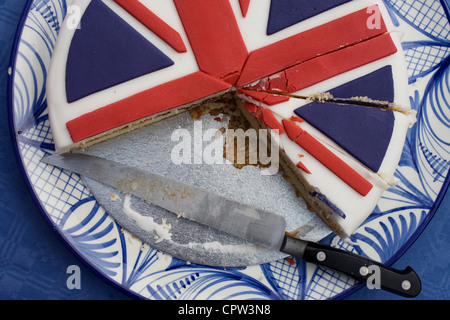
114, 197
320, 97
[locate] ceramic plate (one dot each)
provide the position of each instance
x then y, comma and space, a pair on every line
121, 259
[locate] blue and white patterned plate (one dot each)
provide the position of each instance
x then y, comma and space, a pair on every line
121, 259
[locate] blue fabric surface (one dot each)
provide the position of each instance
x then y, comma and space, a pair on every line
34, 262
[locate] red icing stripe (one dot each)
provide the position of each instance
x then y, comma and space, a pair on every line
164, 97
328, 158
270, 120
300, 165
273, 99
244, 7
154, 23
292, 130
251, 107
214, 36
336, 63
296, 119
320, 40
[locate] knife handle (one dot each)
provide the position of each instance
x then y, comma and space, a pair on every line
376, 275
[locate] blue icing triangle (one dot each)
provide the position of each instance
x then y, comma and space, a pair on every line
106, 51
285, 13
378, 85
364, 132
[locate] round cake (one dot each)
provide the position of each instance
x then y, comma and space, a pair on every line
325, 79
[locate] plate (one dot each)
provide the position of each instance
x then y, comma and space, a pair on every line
185, 239
124, 261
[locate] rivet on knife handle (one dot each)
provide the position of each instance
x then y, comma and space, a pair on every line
402, 282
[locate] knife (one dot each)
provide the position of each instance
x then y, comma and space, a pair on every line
257, 226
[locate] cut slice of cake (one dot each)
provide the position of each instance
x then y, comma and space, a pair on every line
344, 143
126, 64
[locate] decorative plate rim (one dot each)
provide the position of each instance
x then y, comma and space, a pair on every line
74, 250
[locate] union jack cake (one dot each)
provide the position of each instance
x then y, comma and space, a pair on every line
328, 78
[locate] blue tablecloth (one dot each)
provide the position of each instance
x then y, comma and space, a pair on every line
34, 262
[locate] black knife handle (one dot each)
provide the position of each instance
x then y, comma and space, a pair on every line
402, 282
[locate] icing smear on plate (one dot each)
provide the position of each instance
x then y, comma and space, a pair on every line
147, 223
163, 233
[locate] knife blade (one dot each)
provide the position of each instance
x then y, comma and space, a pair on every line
255, 225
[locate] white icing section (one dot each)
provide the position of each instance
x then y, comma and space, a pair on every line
254, 25
60, 111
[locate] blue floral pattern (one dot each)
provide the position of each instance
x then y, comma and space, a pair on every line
119, 257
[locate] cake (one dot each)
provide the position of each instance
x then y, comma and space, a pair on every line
327, 79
